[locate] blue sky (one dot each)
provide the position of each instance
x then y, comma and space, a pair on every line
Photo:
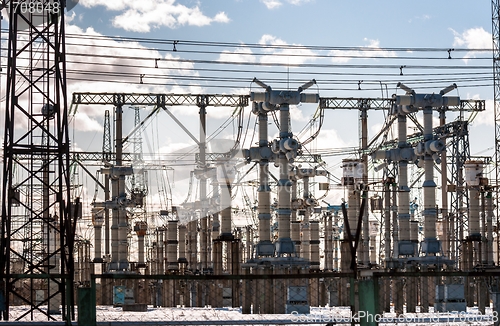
394, 31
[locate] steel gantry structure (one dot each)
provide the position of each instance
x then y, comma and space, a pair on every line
460, 153
162, 102
38, 220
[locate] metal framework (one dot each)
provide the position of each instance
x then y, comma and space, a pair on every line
351, 103
495, 9
106, 139
460, 153
37, 227
160, 99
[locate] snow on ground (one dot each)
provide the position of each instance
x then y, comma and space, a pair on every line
107, 315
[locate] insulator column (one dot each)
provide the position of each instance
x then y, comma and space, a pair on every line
284, 244
114, 227
141, 228
445, 242
98, 221
474, 224
265, 246
431, 245
489, 227
473, 179
387, 220
335, 241
352, 178
226, 177
405, 247
306, 226
364, 245
328, 242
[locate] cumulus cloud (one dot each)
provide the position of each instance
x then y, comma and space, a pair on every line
472, 38
280, 53
85, 123
275, 51
97, 58
296, 114
342, 56
240, 54
486, 118
142, 16
272, 4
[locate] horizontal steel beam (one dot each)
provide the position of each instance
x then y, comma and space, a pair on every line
337, 103
118, 99
351, 103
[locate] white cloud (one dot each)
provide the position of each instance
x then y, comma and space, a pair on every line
486, 118
329, 138
274, 4
241, 54
296, 114
294, 55
221, 17
101, 60
369, 50
142, 16
298, 2
472, 38
83, 122
97, 53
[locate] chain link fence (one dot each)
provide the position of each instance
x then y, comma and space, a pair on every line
266, 296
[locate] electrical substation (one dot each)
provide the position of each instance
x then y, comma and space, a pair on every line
413, 230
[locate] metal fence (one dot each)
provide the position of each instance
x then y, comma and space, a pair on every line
266, 296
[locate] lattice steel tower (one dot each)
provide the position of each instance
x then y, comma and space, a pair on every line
38, 220
495, 9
